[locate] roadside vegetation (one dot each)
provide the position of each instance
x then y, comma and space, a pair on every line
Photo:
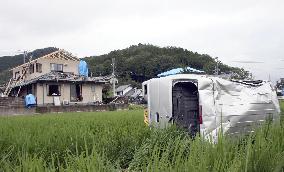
120, 141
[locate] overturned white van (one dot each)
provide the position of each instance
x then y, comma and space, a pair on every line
205, 104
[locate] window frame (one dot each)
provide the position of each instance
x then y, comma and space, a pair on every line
93, 88
56, 67
16, 75
58, 89
77, 97
32, 68
39, 67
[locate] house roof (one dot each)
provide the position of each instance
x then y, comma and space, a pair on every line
60, 54
63, 77
137, 93
130, 92
134, 93
121, 88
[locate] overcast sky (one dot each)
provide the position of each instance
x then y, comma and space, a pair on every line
243, 33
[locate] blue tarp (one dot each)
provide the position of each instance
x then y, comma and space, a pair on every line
179, 70
83, 68
30, 100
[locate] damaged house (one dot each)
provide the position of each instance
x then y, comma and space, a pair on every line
55, 75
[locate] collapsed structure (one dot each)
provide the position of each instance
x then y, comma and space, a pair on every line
207, 104
57, 75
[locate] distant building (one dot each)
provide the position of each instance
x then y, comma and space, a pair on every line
122, 90
137, 96
56, 76
133, 95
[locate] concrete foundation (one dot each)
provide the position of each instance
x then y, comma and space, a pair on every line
10, 106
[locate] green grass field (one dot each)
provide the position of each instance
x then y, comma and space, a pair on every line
120, 141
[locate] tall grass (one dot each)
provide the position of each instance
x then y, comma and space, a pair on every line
261, 151
119, 141
57, 141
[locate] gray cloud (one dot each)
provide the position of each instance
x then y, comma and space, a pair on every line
232, 30
254, 62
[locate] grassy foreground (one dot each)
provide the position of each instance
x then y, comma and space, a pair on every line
119, 141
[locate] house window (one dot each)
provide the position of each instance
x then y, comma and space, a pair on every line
76, 93
53, 90
17, 74
32, 68
38, 67
93, 88
56, 67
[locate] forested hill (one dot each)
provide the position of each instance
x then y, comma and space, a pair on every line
8, 62
143, 61
134, 64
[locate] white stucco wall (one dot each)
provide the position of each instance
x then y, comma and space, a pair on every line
92, 94
89, 94
68, 66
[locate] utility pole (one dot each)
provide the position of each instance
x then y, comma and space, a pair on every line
217, 66
25, 55
113, 75
251, 76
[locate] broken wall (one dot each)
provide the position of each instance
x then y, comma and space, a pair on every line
14, 106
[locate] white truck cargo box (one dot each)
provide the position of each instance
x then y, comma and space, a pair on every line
205, 104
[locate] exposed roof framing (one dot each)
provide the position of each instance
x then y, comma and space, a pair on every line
60, 54
63, 77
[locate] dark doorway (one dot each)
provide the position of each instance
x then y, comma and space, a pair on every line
186, 107
76, 92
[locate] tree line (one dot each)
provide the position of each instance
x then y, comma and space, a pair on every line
134, 64
141, 62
